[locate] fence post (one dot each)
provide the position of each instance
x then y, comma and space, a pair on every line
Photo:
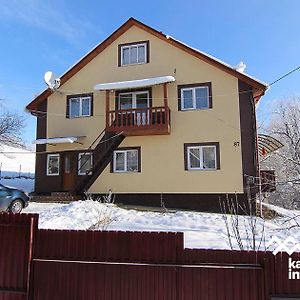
266, 285
179, 254
32, 233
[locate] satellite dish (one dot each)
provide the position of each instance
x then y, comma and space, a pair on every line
240, 67
51, 80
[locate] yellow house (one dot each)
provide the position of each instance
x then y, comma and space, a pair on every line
151, 119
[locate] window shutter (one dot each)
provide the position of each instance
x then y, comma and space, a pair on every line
148, 51
119, 55
92, 105
68, 108
179, 97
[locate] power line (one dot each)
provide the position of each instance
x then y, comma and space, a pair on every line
45, 152
285, 75
209, 96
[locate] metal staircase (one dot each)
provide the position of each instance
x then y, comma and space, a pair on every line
102, 156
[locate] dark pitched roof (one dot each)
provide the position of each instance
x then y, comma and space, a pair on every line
258, 86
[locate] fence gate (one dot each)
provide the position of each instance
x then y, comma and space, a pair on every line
16, 238
220, 282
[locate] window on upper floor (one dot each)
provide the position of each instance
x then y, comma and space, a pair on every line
194, 96
126, 160
79, 106
202, 156
134, 53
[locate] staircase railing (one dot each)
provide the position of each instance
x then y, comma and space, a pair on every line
89, 150
102, 154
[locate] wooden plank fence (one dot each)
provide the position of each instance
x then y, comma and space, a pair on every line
59, 264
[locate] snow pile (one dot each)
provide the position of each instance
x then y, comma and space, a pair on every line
282, 211
133, 83
201, 230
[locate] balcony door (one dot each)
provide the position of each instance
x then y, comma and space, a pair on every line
139, 102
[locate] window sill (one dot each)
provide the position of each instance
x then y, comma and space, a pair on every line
125, 172
195, 109
137, 64
203, 170
79, 117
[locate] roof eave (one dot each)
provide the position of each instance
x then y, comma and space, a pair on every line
33, 105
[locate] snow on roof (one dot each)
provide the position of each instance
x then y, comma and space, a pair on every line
57, 140
216, 59
133, 83
168, 37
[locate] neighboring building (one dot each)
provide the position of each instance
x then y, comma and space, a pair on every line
176, 124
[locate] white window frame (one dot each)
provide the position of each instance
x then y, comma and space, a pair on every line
81, 98
48, 160
79, 163
201, 158
133, 95
125, 161
137, 53
193, 89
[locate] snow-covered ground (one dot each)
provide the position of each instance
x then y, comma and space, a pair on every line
201, 230
12, 159
15, 162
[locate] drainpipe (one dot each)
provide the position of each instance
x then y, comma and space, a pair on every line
256, 154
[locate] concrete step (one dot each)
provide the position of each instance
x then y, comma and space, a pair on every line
55, 199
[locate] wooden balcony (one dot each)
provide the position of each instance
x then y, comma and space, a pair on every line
139, 121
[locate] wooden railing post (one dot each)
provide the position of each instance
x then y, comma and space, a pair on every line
107, 109
152, 118
167, 117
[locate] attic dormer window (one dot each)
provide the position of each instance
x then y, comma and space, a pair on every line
134, 53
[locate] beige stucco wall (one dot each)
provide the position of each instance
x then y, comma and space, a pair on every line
162, 156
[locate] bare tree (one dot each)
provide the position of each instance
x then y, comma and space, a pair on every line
11, 125
285, 126
105, 211
246, 232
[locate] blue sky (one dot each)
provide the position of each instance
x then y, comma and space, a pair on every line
37, 36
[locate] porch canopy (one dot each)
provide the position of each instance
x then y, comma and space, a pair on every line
267, 144
57, 140
131, 84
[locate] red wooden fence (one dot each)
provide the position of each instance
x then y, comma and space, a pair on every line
16, 255
52, 264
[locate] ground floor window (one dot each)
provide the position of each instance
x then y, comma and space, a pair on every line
202, 156
126, 160
85, 163
52, 164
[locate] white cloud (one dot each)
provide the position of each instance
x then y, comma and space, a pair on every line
46, 16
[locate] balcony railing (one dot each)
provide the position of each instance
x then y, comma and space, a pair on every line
139, 121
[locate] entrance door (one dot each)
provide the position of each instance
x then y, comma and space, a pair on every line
136, 100
69, 172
